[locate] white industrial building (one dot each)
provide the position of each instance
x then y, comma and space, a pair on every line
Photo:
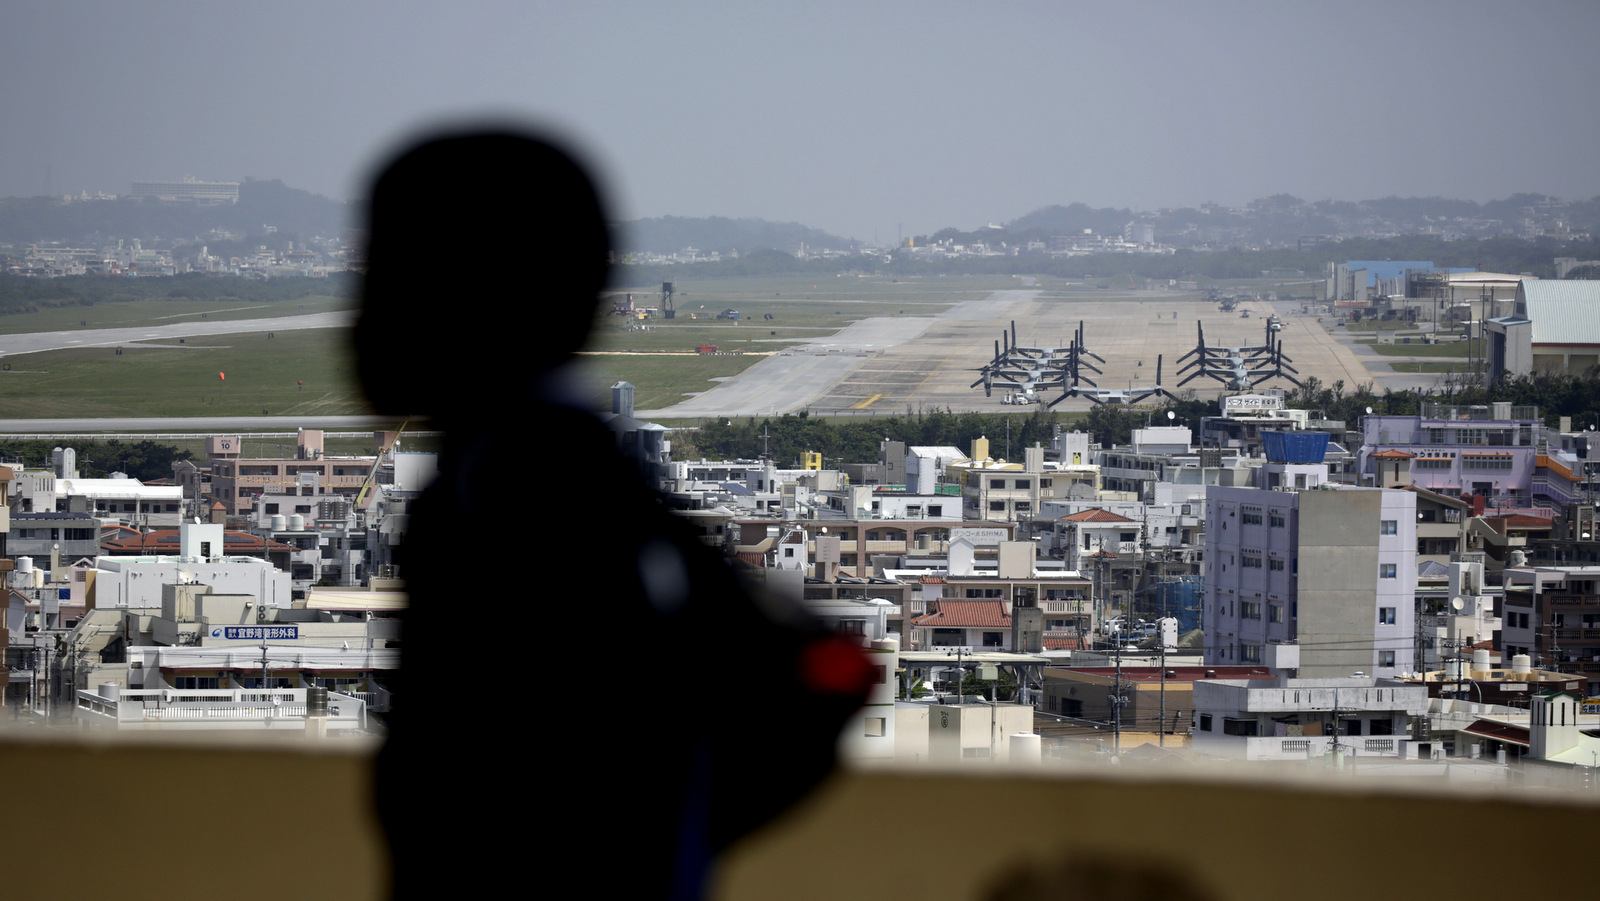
138, 581
1297, 719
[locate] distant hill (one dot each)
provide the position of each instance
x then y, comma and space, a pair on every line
718, 234
261, 203
1071, 219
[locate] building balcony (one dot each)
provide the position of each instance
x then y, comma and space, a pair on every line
215, 709
1300, 748
1564, 600
796, 857
1318, 701
1070, 607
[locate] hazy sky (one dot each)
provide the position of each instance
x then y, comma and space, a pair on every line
856, 118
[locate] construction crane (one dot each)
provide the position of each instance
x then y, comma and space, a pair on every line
372, 476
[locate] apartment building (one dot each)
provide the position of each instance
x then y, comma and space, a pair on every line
237, 480
1304, 575
1552, 614
1502, 452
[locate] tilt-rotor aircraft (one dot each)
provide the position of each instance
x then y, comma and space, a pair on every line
1116, 396
1028, 370
1238, 368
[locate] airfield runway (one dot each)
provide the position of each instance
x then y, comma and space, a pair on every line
889, 365
38, 342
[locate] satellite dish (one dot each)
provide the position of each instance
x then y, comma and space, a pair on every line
1457, 603
1369, 411
1171, 416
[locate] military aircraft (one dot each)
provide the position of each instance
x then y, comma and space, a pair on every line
1116, 396
1238, 368
1027, 370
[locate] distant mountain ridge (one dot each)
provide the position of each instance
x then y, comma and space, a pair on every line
1275, 221
1284, 219
718, 234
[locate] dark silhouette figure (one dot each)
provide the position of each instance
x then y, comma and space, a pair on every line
588, 694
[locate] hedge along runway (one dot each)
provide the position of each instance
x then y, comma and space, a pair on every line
928, 362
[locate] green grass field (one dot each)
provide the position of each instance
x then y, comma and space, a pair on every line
172, 379
1378, 325
658, 380
802, 309
1431, 367
952, 289
182, 380
825, 304
1447, 349
613, 334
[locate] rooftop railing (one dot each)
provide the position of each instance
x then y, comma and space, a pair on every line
1479, 413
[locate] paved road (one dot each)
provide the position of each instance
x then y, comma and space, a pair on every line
1381, 366
35, 342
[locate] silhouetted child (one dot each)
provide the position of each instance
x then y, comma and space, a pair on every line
587, 693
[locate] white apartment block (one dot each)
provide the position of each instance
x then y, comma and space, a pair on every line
1299, 561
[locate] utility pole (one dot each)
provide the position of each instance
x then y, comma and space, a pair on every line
264, 664
1338, 758
1162, 726
1417, 654
1117, 699
960, 672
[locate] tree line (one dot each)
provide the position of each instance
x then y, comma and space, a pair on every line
785, 438
19, 294
1500, 254
144, 460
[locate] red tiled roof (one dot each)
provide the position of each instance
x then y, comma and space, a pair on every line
1394, 455
966, 615
1096, 515
166, 541
1062, 642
